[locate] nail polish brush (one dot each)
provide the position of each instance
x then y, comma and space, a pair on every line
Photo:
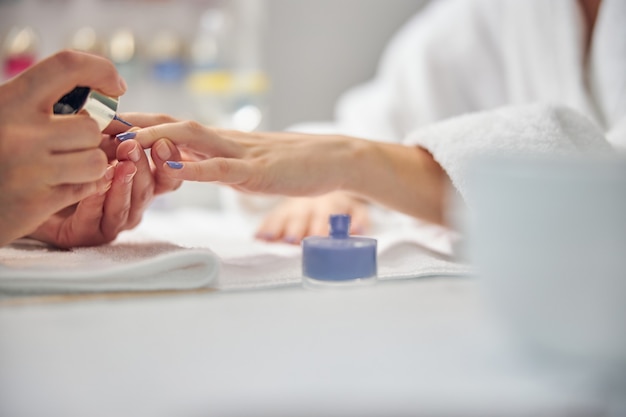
100, 107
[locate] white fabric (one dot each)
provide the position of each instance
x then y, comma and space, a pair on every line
464, 56
205, 249
518, 131
405, 250
30, 267
519, 64
399, 257
467, 79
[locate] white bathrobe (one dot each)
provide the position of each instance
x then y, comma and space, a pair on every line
469, 77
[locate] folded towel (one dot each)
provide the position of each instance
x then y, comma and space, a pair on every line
30, 267
403, 260
170, 251
406, 248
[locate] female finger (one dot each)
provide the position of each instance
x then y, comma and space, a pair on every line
223, 170
72, 133
163, 151
47, 81
118, 202
67, 194
191, 134
75, 167
148, 119
143, 182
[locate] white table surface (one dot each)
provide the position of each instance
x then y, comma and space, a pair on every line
426, 347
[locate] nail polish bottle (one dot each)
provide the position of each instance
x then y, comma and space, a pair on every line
86, 39
20, 50
339, 260
99, 107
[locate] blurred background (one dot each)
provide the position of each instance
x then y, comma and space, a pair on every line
244, 64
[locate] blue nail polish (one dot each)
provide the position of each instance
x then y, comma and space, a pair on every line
339, 260
119, 119
174, 164
125, 136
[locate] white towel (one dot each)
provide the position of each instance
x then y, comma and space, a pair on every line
401, 260
30, 267
406, 248
192, 248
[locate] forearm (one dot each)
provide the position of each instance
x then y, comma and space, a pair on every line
403, 178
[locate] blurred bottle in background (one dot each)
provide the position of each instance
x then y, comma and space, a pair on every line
122, 50
192, 59
165, 71
227, 82
86, 39
20, 50
166, 55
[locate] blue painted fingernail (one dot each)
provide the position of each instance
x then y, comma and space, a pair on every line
126, 135
174, 164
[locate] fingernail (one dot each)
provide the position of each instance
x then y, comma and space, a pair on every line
109, 173
163, 151
129, 177
125, 136
135, 154
106, 188
265, 236
123, 84
290, 239
174, 164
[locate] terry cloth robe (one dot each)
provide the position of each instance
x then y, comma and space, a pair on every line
465, 78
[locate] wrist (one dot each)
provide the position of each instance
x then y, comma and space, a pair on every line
358, 164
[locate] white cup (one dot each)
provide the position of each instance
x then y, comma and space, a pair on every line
548, 239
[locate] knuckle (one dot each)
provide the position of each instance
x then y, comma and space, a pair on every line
143, 196
89, 130
194, 127
161, 118
152, 133
222, 167
67, 59
98, 160
79, 191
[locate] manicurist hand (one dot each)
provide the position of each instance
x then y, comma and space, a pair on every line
100, 218
50, 162
404, 178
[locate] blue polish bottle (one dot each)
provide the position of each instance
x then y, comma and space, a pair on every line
339, 260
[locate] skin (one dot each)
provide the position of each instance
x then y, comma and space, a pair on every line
63, 181
590, 9
312, 217
99, 218
403, 178
294, 219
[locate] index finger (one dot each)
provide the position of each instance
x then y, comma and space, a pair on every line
148, 119
190, 134
47, 81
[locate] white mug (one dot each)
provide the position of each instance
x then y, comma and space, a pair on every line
548, 239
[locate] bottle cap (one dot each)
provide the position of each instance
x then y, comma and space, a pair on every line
100, 107
339, 257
